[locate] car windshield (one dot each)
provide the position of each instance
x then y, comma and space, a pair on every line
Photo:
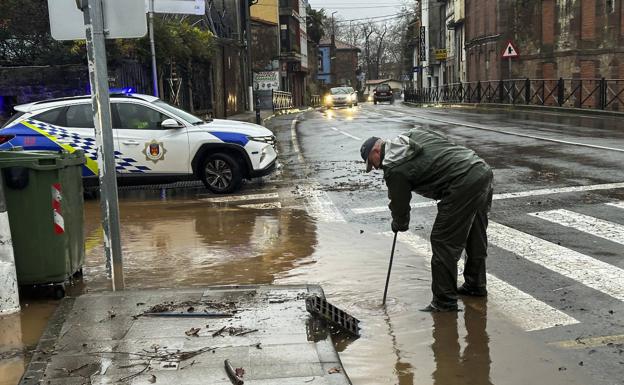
339, 90
178, 112
384, 87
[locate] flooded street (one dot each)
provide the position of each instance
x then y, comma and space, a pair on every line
323, 221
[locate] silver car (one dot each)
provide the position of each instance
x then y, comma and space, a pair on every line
341, 96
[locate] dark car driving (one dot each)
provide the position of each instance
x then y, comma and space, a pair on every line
383, 93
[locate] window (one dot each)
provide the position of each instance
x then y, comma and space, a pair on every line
610, 6
50, 116
138, 117
80, 116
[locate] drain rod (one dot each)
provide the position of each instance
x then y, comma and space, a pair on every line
389, 269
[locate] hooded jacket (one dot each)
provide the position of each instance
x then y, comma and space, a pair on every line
427, 163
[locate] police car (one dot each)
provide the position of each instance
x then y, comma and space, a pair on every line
154, 141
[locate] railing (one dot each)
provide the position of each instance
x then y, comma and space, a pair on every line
281, 100
315, 101
603, 94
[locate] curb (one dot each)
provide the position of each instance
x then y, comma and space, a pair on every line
521, 107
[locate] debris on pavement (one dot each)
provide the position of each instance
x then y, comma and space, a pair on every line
334, 370
236, 375
192, 332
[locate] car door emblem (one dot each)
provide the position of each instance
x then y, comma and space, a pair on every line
154, 151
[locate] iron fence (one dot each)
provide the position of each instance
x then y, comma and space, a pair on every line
282, 100
603, 94
315, 101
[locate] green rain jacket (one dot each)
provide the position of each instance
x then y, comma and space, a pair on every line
427, 163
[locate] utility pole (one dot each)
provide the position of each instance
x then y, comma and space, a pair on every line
153, 49
98, 76
332, 51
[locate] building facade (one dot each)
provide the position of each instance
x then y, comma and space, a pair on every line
581, 39
338, 63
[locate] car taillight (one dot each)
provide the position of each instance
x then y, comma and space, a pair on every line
6, 138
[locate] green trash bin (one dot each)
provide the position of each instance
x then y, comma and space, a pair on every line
44, 197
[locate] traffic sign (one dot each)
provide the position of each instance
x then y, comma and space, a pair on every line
185, 7
122, 19
510, 51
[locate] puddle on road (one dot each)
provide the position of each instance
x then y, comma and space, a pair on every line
401, 345
19, 334
183, 244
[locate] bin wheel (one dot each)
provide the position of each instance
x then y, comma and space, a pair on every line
59, 292
78, 274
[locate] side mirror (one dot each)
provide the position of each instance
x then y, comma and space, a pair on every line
170, 123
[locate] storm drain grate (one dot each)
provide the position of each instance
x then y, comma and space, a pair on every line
320, 307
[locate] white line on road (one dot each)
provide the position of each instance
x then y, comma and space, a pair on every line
619, 205
591, 272
345, 133
242, 198
293, 138
610, 231
521, 308
320, 206
480, 127
520, 194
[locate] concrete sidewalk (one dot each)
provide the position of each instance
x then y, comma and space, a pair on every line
251, 116
183, 337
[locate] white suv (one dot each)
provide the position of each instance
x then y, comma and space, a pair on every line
154, 141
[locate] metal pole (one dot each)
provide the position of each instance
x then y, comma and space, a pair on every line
389, 269
98, 76
9, 295
153, 49
510, 83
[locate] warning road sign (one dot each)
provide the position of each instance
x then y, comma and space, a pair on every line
510, 51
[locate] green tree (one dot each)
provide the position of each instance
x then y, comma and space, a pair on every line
25, 36
314, 23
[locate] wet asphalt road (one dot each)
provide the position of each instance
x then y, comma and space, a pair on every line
555, 266
555, 309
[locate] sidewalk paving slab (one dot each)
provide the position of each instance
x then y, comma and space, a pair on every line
105, 338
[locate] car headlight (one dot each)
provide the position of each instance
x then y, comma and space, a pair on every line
269, 139
328, 99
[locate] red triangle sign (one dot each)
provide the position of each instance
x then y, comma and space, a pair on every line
510, 50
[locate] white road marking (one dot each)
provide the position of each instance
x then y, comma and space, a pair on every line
520, 194
485, 128
619, 205
610, 231
591, 272
524, 310
242, 198
345, 133
263, 206
320, 206
294, 140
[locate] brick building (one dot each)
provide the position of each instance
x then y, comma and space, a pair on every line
568, 39
338, 63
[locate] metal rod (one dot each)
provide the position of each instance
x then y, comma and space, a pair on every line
153, 49
389, 268
98, 76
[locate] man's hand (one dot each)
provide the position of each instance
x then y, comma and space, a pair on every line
396, 227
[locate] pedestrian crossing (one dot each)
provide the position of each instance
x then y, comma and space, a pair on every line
526, 310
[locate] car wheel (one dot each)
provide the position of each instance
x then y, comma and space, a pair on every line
375, 102
221, 174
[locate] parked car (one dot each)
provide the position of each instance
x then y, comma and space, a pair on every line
383, 93
155, 142
341, 96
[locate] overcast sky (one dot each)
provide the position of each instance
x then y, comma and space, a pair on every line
356, 9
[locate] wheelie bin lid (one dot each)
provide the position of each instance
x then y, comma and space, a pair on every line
41, 160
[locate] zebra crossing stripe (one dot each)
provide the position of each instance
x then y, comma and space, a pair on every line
619, 205
320, 206
524, 310
610, 231
591, 272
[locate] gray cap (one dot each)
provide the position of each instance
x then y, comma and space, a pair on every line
365, 150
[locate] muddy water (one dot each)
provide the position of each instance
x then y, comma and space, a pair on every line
401, 345
191, 242
19, 334
195, 243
